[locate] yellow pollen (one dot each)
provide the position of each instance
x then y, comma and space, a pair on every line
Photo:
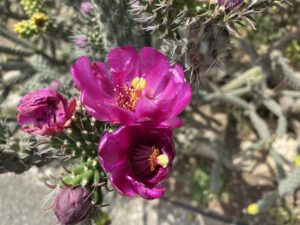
152, 158
126, 98
163, 160
138, 83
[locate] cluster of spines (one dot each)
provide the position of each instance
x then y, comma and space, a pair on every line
20, 153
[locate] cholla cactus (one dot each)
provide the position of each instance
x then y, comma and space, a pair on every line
197, 30
143, 93
169, 16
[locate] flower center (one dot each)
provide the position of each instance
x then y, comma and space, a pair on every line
156, 159
128, 96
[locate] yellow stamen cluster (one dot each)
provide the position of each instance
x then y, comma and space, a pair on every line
156, 159
152, 158
138, 83
128, 96
163, 160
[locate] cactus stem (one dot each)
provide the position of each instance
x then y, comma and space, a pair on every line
64, 183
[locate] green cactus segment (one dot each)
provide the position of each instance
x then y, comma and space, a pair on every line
101, 218
251, 77
196, 33
81, 141
4, 136
264, 204
78, 170
290, 183
288, 74
168, 16
20, 153
89, 175
82, 138
97, 195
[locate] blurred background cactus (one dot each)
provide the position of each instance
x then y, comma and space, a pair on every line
238, 152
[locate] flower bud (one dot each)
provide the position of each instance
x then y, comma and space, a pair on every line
72, 205
45, 112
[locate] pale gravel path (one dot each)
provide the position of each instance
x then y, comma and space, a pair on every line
21, 198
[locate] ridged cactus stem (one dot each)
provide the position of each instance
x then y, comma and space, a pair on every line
18, 154
280, 64
275, 108
88, 174
258, 123
82, 138
290, 183
250, 77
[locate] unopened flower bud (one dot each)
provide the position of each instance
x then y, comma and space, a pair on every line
72, 205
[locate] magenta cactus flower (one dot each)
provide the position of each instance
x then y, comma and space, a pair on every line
45, 112
137, 159
230, 4
132, 87
72, 205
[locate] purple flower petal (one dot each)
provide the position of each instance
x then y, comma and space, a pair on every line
124, 64
154, 66
147, 192
86, 79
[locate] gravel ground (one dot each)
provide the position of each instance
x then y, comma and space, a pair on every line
22, 200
